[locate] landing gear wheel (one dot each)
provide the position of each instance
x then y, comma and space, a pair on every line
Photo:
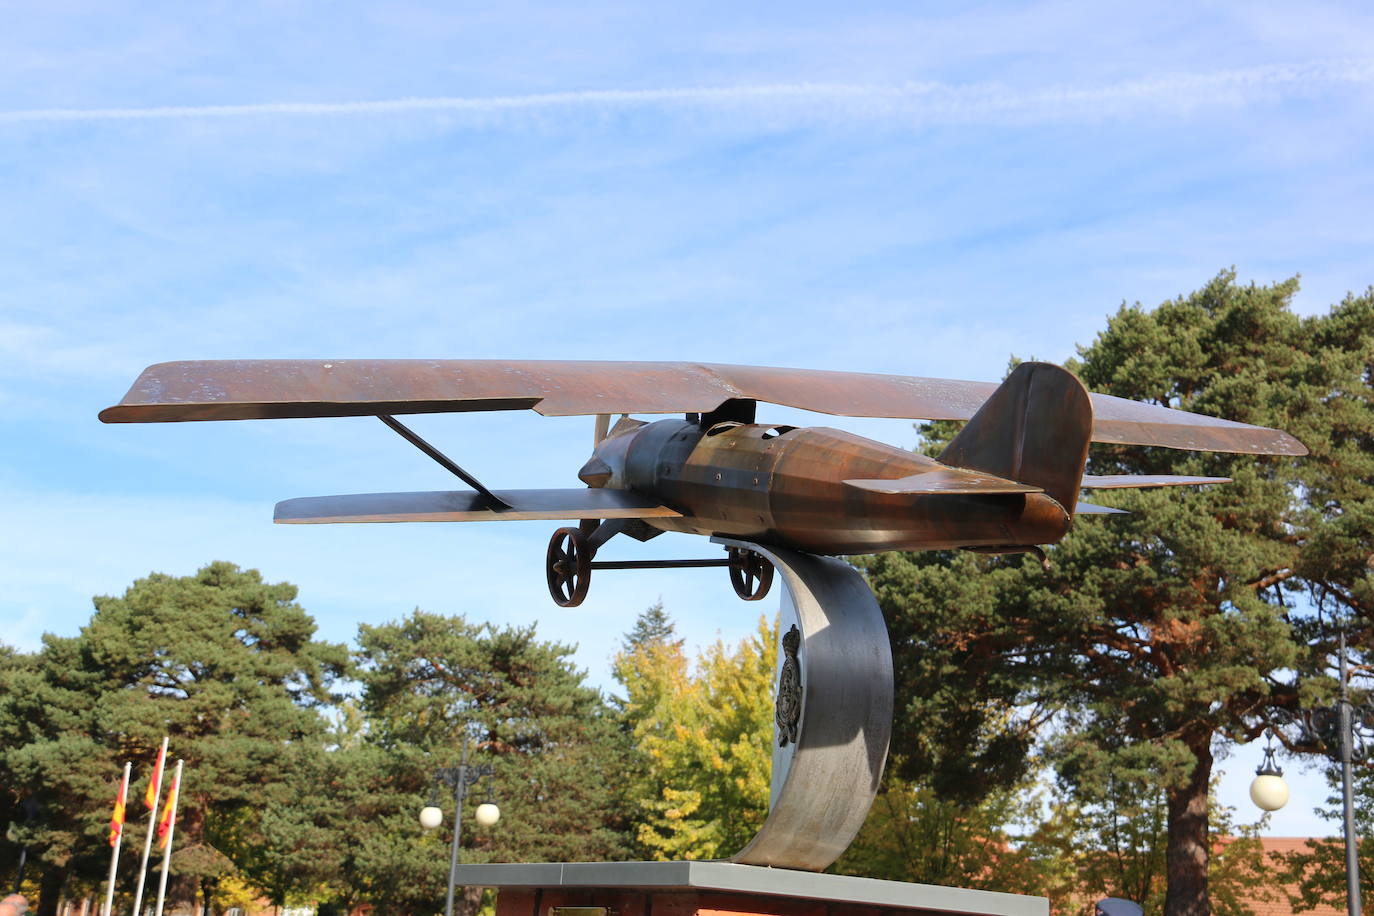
750, 573
568, 565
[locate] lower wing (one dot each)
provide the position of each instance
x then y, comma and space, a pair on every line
468, 506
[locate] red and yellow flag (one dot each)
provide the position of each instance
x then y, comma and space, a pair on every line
169, 813
150, 797
117, 822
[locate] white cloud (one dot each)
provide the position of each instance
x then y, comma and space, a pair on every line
909, 103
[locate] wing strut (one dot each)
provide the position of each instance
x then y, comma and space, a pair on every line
497, 503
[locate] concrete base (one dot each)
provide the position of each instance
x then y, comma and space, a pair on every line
722, 889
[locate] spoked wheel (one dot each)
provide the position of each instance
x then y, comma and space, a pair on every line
750, 573
568, 566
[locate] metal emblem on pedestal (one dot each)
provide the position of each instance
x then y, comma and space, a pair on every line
787, 707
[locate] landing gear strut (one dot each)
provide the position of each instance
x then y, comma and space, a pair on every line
571, 556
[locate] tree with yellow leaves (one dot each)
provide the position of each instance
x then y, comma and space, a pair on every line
704, 736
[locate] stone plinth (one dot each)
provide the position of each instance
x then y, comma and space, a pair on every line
722, 889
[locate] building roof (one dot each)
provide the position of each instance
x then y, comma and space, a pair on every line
1274, 847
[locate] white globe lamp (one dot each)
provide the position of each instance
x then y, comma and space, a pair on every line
431, 816
487, 814
1269, 792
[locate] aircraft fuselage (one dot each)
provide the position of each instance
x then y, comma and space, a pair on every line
786, 486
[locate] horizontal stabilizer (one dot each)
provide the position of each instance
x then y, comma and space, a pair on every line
468, 506
1095, 509
257, 389
1125, 481
943, 480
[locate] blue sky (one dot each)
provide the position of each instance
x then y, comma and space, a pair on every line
918, 189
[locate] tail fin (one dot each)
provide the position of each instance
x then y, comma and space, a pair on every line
1034, 429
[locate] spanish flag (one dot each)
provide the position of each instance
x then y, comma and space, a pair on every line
169, 813
117, 822
155, 783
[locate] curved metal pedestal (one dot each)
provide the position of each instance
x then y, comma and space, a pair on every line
834, 712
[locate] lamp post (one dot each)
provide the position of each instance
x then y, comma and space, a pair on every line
461, 779
1350, 727
32, 809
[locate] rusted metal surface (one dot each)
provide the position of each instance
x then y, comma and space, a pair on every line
1034, 429
791, 490
266, 389
945, 480
463, 506
1008, 481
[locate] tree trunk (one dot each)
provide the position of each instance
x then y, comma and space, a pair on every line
1188, 852
50, 890
468, 902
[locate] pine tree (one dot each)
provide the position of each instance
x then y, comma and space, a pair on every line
1156, 634
220, 661
428, 681
652, 626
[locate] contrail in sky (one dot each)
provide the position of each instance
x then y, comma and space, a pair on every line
905, 102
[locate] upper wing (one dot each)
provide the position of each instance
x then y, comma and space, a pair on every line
260, 389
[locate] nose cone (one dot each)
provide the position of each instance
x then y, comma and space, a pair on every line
595, 473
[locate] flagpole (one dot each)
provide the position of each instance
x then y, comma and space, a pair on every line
152, 827
171, 829
118, 839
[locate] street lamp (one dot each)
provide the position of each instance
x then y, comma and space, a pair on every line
461, 779
1348, 725
1268, 791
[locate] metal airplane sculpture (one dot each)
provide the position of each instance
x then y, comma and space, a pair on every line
1009, 482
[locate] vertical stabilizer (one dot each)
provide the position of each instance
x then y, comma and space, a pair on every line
1034, 429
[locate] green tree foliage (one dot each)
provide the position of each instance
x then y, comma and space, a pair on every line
1318, 872
1119, 838
652, 626
704, 733
1070, 848
704, 736
274, 800
914, 834
221, 661
555, 744
1115, 844
1155, 634
1239, 871
347, 833
350, 834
